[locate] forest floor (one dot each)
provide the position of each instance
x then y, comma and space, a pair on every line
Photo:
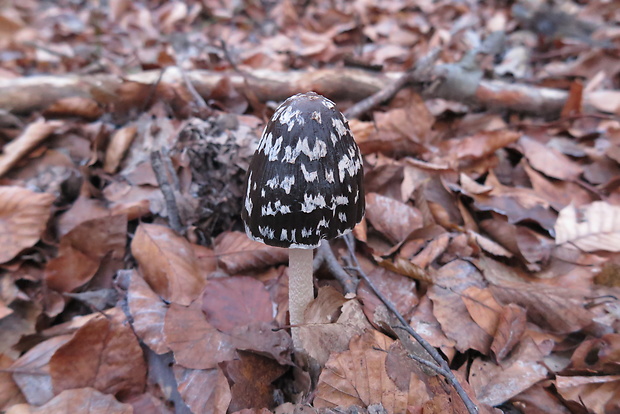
490, 133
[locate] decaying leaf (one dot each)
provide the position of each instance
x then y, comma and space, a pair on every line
392, 218
237, 253
595, 227
599, 394
167, 263
204, 391
119, 144
23, 217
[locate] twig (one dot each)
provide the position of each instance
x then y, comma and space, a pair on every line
450, 377
192, 90
349, 284
164, 185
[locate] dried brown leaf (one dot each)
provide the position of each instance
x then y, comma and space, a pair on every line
237, 253
597, 356
74, 106
82, 250
598, 394
496, 384
203, 390
33, 135
482, 308
330, 323
605, 101
252, 376
23, 218
478, 146
10, 393
510, 327
236, 301
148, 312
358, 377
167, 263
392, 218
119, 144
81, 400
594, 227
102, 354
549, 161
195, 343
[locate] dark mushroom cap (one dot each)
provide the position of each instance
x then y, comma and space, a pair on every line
304, 183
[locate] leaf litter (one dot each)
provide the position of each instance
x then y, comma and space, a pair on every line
492, 207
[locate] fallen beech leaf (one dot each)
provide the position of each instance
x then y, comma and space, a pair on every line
74, 106
482, 308
510, 327
82, 400
549, 161
32, 136
23, 218
9, 390
495, 384
480, 145
236, 301
32, 373
252, 376
449, 306
597, 356
539, 400
605, 101
358, 377
264, 339
82, 250
149, 312
595, 227
119, 144
203, 390
392, 218
103, 354
330, 323
195, 343
597, 394
168, 263
236, 253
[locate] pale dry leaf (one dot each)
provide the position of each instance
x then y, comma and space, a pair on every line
32, 136
149, 312
168, 263
103, 354
480, 145
594, 227
119, 144
549, 161
81, 400
605, 101
23, 218
203, 390
10, 393
236, 253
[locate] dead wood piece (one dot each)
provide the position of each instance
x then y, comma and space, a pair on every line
35, 93
161, 172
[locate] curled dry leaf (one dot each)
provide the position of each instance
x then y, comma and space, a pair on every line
74, 106
203, 390
167, 263
103, 354
594, 227
32, 136
81, 400
236, 301
23, 218
237, 253
148, 312
119, 144
392, 218
82, 250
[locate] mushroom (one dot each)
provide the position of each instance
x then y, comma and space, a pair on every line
304, 184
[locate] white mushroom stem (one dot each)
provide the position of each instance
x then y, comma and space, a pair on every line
300, 288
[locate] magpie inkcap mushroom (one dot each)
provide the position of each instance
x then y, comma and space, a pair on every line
304, 183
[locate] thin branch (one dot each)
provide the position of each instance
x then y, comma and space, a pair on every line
450, 377
164, 185
349, 284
